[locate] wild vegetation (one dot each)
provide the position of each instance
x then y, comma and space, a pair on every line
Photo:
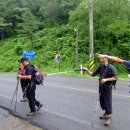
47, 28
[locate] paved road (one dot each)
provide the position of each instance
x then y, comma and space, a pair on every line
69, 103
9, 122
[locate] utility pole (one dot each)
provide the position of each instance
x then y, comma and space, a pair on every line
76, 29
91, 47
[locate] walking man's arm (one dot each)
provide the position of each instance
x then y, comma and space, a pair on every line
87, 70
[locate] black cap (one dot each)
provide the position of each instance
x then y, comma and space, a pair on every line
106, 53
23, 59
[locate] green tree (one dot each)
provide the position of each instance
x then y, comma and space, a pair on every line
111, 23
3, 25
57, 10
28, 25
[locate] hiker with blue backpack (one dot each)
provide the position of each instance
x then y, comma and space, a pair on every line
30, 79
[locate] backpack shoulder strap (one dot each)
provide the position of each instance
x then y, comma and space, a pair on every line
110, 66
37, 69
33, 66
105, 72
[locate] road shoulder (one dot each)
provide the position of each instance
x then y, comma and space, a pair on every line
10, 122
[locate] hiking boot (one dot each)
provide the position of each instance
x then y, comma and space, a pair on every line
102, 117
31, 113
39, 107
107, 120
24, 100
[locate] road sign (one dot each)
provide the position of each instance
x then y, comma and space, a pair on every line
29, 54
57, 58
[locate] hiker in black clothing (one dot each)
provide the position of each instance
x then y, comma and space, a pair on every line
107, 74
23, 82
30, 85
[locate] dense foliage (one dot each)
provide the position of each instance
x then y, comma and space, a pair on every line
47, 28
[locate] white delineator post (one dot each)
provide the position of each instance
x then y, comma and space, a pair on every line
81, 68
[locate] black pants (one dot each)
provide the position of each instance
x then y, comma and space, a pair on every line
31, 97
105, 93
23, 87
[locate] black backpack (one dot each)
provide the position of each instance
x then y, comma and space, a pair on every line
39, 76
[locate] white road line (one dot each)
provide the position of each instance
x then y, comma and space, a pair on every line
71, 88
88, 90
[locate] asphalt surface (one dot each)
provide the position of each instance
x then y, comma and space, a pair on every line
69, 103
9, 122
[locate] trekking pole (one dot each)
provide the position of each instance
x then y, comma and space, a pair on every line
96, 108
16, 98
15, 91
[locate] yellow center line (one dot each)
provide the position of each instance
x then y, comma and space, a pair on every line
89, 90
